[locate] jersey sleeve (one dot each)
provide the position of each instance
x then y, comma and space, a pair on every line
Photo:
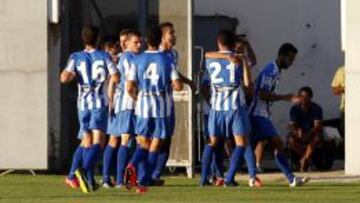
110, 65
266, 81
174, 73
70, 66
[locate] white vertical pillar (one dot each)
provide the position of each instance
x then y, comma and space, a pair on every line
352, 88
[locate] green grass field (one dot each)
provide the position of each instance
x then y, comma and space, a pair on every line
50, 188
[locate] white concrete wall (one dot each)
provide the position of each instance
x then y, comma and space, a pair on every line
352, 84
270, 23
23, 84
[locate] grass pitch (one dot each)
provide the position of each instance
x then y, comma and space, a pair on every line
51, 188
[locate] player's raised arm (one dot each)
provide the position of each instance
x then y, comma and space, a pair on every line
68, 74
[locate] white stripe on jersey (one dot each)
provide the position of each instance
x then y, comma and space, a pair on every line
226, 100
97, 97
89, 101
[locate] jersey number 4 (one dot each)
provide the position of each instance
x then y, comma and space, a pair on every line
151, 74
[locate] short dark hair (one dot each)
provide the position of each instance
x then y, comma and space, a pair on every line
89, 35
134, 33
306, 89
166, 25
125, 31
110, 41
226, 37
287, 48
153, 36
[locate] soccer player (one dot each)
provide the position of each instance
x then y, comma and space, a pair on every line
228, 116
153, 75
265, 95
111, 46
168, 42
121, 113
242, 54
91, 67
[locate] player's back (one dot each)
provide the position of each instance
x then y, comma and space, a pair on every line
153, 70
92, 70
226, 84
123, 66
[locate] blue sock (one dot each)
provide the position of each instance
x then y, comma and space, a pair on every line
151, 161
161, 160
139, 155
283, 164
108, 155
141, 173
122, 159
77, 161
219, 160
205, 163
90, 161
250, 161
235, 162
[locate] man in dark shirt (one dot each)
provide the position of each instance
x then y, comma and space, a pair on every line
305, 126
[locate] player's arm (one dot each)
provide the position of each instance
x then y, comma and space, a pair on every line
246, 72
68, 74
271, 97
131, 84
176, 82
234, 58
250, 52
187, 81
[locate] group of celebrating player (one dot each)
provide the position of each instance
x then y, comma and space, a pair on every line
131, 93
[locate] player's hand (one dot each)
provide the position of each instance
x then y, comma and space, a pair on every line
192, 85
292, 98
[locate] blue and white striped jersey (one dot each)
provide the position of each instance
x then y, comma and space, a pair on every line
266, 81
92, 68
123, 101
173, 54
226, 86
153, 72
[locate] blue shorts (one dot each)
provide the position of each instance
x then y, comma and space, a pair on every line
93, 119
228, 123
263, 128
153, 127
122, 123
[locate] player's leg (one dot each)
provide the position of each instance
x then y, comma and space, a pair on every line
77, 161
122, 159
259, 154
238, 124
98, 124
109, 153
144, 128
127, 129
140, 155
216, 129
164, 153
